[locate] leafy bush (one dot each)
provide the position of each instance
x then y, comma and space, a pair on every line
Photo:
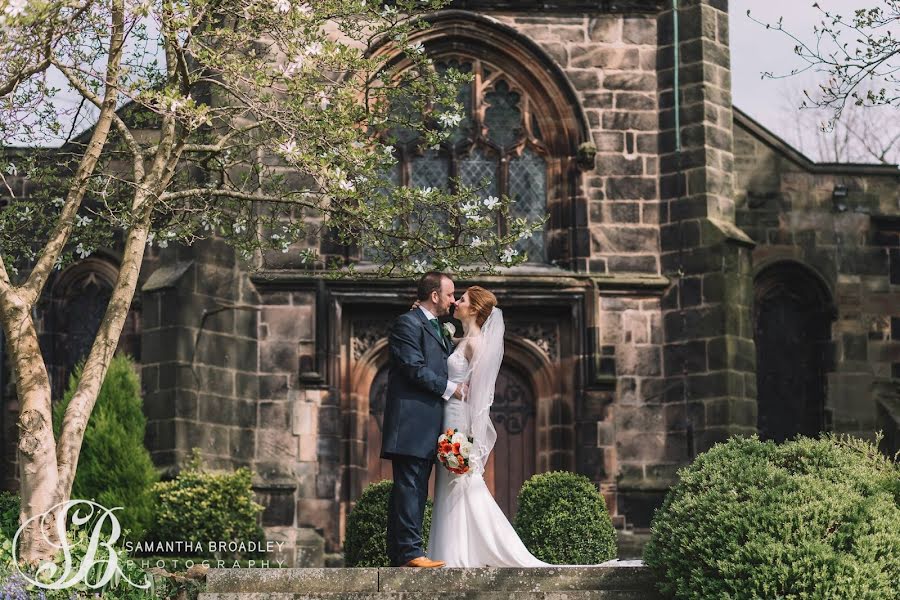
203, 506
114, 467
562, 519
10, 507
804, 519
366, 541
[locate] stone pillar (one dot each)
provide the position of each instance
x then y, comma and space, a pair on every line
708, 353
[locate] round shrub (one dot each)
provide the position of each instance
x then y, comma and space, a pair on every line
810, 518
114, 466
365, 544
562, 519
208, 507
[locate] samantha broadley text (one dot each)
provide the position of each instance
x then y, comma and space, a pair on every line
194, 547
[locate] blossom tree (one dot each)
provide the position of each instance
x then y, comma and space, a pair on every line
264, 122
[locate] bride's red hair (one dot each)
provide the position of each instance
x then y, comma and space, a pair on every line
482, 301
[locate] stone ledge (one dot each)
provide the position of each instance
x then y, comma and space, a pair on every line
616, 579
433, 595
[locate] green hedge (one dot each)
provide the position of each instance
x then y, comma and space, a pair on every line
114, 467
205, 506
366, 537
804, 519
562, 519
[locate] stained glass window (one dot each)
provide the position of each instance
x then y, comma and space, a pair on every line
497, 148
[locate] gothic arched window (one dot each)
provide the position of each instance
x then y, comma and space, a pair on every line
497, 148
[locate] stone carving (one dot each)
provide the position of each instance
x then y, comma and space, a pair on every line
365, 335
545, 335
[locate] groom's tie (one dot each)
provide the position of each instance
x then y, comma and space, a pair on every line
437, 329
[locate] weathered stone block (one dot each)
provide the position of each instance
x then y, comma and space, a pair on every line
631, 188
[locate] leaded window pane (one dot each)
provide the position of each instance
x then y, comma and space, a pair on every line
528, 192
430, 170
479, 171
503, 116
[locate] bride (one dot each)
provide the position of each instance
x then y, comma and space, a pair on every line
468, 528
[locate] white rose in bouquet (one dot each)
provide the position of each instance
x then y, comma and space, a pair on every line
458, 438
451, 461
465, 448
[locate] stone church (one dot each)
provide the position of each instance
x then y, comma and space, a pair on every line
697, 278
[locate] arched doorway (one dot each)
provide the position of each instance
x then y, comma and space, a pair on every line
513, 459
792, 316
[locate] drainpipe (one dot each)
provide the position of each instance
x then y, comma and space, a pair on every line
676, 85
677, 42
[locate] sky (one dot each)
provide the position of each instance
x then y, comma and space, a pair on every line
754, 50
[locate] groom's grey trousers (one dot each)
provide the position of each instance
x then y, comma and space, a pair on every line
406, 508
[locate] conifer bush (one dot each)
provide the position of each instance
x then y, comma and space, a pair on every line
810, 518
366, 540
562, 519
114, 466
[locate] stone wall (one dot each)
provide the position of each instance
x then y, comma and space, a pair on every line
842, 223
610, 62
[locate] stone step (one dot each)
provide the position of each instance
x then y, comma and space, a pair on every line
434, 595
617, 580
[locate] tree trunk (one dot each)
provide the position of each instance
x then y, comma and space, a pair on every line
35, 451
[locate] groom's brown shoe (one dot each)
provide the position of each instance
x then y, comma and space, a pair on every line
425, 562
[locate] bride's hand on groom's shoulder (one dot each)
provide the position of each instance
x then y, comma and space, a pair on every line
414, 306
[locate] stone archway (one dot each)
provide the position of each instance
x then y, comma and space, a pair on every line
525, 413
792, 314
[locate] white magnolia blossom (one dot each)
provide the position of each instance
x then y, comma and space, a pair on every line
491, 202
289, 150
323, 99
450, 120
83, 252
14, 8
81, 221
418, 48
313, 49
508, 254
470, 209
281, 6
419, 266
304, 9
11, 169
346, 186
389, 150
476, 242
240, 226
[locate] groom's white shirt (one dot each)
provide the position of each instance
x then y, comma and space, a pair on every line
451, 386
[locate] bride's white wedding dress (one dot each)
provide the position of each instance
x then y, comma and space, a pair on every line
468, 528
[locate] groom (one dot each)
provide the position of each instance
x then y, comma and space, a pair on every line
413, 414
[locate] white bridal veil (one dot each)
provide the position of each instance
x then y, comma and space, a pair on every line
484, 367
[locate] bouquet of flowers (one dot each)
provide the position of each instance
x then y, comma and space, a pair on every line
453, 448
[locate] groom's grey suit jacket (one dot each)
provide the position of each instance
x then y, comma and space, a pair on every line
417, 380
